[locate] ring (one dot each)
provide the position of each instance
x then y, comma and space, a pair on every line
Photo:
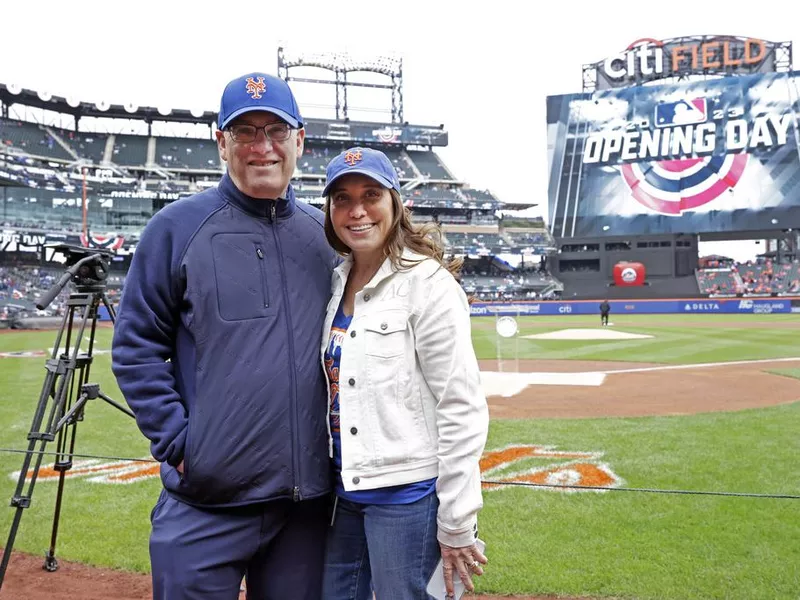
474, 565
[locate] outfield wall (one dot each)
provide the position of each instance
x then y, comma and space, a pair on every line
674, 306
630, 307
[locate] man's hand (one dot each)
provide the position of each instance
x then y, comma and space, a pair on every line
466, 561
179, 468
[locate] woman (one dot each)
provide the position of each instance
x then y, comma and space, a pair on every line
408, 417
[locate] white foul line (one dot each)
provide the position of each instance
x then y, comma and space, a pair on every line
703, 365
508, 384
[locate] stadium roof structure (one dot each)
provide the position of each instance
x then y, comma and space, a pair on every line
13, 94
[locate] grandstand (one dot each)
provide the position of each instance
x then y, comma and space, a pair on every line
68, 173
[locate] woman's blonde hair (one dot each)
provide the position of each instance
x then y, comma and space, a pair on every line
425, 239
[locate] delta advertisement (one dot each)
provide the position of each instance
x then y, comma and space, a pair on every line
585, 307
692, 157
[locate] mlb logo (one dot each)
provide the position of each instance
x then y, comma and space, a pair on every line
682, 112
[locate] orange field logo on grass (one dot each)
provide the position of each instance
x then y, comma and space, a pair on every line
572, 469
101, 472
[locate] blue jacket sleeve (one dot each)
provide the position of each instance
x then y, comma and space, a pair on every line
144, 339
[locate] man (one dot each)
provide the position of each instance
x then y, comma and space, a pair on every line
215, 350
605, 308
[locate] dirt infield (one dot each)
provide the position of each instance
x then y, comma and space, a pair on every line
660, 391
25, 580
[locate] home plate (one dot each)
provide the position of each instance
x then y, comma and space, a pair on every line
510, 384
600, 333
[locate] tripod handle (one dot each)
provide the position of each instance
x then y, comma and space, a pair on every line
45, 300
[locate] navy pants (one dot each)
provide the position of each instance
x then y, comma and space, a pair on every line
199, 554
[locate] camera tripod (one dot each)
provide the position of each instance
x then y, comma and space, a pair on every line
66, 388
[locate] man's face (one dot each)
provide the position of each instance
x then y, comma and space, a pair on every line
261, 168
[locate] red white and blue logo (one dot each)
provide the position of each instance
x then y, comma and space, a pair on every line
672, 187
106, 242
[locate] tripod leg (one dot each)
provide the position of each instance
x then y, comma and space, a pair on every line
67, 430
21, 500
50, 562
62, 465
12, 535
47, 421
112, 313
117, 405
67, 371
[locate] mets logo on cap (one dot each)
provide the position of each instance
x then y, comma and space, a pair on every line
255, 87
671, 187
351, 158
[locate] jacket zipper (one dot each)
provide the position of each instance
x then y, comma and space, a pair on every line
295, 463
260, 255
327, 395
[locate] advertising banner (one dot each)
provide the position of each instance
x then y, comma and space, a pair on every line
592, 307
690, 157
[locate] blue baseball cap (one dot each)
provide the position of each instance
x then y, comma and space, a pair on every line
261, 92
364, 161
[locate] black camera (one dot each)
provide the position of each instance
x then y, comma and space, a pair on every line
87, 268
90, 272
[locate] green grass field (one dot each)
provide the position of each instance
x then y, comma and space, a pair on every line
617, 544
678, 339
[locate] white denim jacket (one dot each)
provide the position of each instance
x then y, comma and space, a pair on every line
411, 404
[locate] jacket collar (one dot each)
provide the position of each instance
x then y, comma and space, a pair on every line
284, 207
386, 269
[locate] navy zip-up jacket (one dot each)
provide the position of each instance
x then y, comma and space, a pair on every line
216, 346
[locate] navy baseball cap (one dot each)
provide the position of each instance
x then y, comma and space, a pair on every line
365, 161
262, 92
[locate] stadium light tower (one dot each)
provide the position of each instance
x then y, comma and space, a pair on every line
342, 65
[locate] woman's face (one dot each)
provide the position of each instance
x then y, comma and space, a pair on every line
361, 214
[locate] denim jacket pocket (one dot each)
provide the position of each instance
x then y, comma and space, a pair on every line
385, 335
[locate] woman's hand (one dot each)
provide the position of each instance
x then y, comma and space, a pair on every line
462, 562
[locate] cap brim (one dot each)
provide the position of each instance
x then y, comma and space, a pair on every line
379, 178
275, 111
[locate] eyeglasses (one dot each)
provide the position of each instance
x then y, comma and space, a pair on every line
245, 133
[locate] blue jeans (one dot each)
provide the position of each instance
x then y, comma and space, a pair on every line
390, 548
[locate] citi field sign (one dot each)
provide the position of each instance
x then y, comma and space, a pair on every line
648, 59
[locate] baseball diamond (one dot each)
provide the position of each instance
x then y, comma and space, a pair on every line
631, 276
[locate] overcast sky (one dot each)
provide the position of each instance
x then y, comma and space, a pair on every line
483, 69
